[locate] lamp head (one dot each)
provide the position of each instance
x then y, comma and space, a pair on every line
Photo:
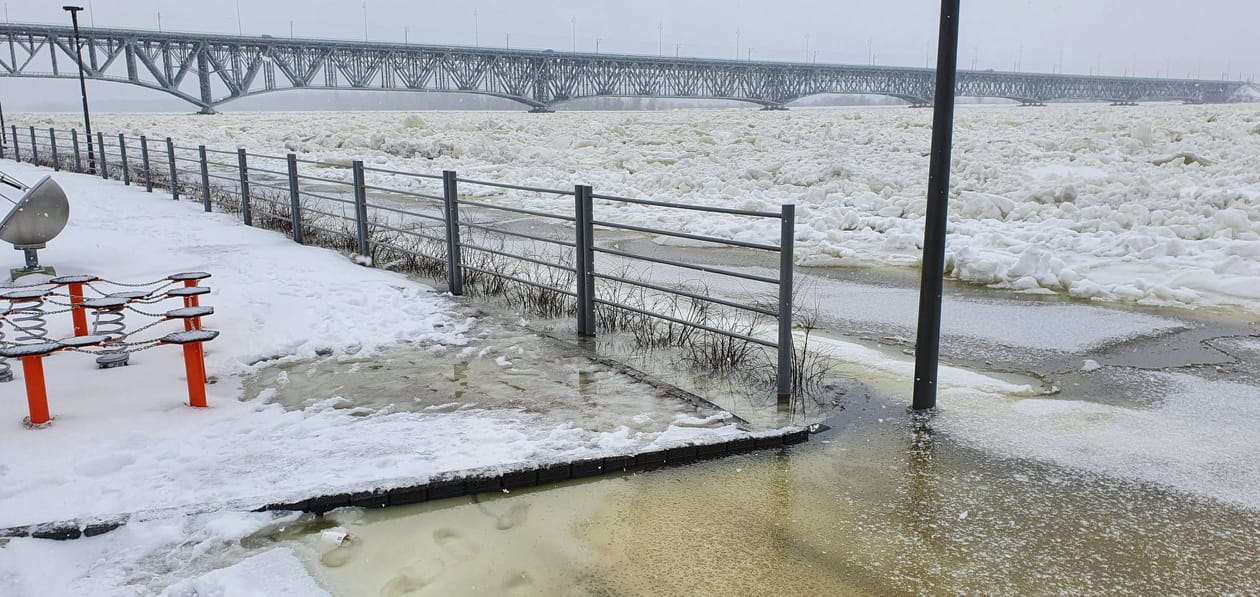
71, 8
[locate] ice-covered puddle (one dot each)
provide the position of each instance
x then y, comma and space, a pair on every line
1151, 204
502, 373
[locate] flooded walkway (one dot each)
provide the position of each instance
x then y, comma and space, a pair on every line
881, 506
1123, 466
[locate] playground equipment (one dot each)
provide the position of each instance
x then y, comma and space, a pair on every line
108, 337
36, 218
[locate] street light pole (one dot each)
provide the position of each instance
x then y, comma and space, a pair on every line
78, 54
927, 345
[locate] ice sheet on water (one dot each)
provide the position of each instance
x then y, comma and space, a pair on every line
1198, 439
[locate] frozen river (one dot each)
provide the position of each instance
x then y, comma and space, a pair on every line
1153, 204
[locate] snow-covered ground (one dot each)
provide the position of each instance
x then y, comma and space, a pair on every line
123, 440
1156, 204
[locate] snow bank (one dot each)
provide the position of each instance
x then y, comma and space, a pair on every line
146, 557
1080, 200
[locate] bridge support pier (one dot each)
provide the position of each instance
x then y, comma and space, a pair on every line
207, 110
1032, 104
541, 110
1124, 103
774, 108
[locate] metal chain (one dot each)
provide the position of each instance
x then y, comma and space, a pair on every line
138, 330
135, 310
150, 344
135, 285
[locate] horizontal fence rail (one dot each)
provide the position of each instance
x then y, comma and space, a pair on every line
562, 256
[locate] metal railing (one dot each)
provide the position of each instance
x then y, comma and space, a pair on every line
454, 225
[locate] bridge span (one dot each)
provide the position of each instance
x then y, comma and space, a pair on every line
209, 70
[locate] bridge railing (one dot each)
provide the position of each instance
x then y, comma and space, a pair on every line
555, 253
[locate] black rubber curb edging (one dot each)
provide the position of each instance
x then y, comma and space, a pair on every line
464, 483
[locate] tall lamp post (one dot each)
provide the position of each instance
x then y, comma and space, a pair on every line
928, 341
78, 55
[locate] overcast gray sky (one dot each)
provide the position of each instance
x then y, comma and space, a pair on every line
1209, 37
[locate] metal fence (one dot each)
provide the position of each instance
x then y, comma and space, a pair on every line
546, 243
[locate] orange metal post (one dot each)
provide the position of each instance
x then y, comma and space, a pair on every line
195, 369
191, 301
76, 312
36, 393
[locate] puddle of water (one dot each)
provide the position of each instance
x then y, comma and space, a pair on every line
502, 370
880, 507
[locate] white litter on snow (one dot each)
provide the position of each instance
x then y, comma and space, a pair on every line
1068, 199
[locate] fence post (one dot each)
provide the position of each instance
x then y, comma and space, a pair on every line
122, 154
144, 157
205, 177
454, 252
52, 146
170, 153
34, 148
579, 259
100, 145
78, 161
584, 260
786, 249
17, 153
246, 216
360, 208
295, 200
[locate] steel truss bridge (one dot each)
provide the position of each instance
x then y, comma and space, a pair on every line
211, 70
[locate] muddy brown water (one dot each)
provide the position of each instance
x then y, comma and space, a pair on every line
880, 506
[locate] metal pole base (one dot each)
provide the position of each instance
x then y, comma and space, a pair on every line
26, 422
110, 360
18, 272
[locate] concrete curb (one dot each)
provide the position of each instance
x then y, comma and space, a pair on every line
458, 484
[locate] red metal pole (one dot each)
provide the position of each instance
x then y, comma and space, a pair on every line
191, 301
195, 370
36, 393
76, 312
